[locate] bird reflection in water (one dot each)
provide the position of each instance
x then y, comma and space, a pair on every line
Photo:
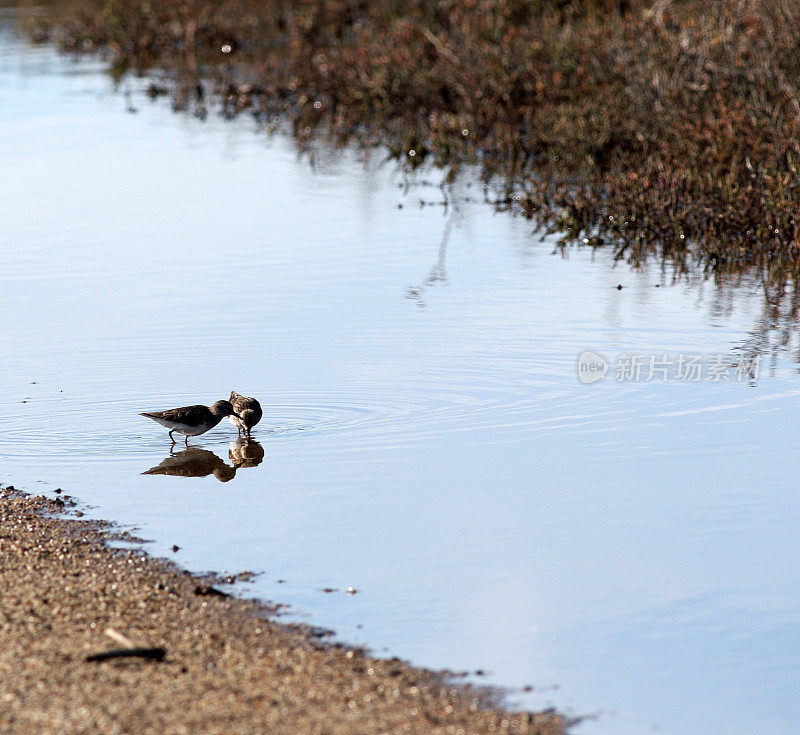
195, 462
246, 452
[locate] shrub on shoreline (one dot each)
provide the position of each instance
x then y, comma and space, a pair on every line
669, 127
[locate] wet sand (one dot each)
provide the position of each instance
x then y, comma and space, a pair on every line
229, 665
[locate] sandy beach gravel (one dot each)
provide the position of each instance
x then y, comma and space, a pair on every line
229, 665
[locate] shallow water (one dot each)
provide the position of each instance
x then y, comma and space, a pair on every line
627, 548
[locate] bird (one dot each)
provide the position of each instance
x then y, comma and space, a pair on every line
192, 420
246, 412
194, 462
246, 452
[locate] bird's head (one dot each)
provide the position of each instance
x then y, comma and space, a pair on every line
222, 409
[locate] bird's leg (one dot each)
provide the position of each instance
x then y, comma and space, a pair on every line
186, 440
172, 437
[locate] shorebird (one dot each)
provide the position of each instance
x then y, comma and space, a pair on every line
246, 412
194, 462
192, 420
246, 453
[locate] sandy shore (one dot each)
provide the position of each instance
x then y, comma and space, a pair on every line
229, 666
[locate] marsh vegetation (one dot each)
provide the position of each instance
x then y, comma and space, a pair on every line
666, 128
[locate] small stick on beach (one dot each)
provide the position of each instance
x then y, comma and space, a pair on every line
130, 650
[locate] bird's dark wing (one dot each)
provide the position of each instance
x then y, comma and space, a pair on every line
187, 415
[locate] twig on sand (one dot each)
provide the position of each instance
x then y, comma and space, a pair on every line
130, 650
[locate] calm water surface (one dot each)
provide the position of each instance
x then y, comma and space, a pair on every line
628, 549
